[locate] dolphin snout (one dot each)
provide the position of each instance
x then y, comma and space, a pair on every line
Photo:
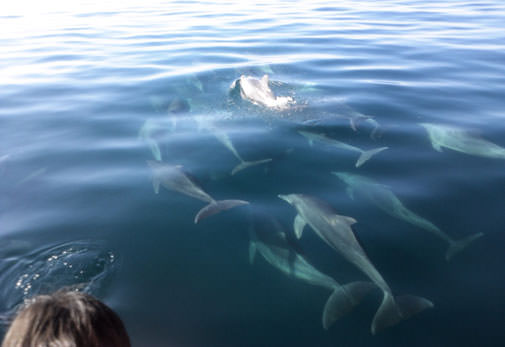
284, 197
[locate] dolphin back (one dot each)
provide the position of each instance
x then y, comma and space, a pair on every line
245, 164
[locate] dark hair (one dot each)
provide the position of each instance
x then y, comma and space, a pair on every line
66, 319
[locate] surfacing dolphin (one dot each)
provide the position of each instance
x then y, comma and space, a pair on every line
270, 240
223, 137
460, 140
336, 231
258, 92
321, 137
382, 196
172, 177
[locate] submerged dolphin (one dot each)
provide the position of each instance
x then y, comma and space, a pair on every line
223, 137
274, 246
173, 178
259, 93
381, 196
363, 157
336, 231
342, 111
461, 141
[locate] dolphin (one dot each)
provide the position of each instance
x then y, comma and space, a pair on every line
382, 196
259, 93
223, 137
336, 231
172, 177
321, 137
274, 246
152, 127
343, 111
460, 140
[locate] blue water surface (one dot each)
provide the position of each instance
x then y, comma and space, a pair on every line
90, 93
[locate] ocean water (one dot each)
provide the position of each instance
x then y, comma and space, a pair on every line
90, 93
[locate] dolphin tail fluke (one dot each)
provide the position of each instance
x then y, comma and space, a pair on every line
343, 299
366, 155
392, 311
459, 245
216, 207
245, 164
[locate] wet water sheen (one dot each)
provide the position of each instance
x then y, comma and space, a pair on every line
89, 94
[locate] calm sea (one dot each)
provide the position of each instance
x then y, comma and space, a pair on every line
89, 93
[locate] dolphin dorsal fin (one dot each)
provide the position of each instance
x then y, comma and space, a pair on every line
299, 225
338, 218
264, 80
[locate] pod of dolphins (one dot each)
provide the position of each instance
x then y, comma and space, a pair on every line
269, 238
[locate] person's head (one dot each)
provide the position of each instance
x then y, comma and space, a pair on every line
66, 319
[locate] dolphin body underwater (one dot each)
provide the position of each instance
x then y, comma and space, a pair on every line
271, 242
363, 157
336, 231
177, 109
152, 128
461, 141
381, 196
172, 177
223, 137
